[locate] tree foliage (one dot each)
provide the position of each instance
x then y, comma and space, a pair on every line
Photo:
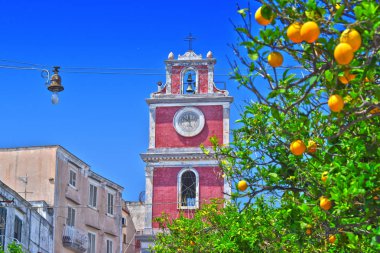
13, 248
289, 103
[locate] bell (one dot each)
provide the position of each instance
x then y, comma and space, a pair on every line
189, 88
189, 79
55, 82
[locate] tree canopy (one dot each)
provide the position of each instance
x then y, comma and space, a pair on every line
307, 147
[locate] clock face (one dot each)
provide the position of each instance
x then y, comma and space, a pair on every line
189, 121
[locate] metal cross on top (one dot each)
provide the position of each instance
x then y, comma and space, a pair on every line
190, 39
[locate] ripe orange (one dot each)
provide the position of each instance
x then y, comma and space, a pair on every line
332, 238
347, 77
275, 59
311, 146
310, 31
325, 203
324, 176
260, 19
308, 231
352, 37
293, 32
343, 53
242, 185
297, 147
336, 103
374, 110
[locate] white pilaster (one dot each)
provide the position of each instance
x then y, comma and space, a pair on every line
148, 199
152, 126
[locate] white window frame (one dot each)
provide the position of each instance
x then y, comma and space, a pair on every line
110, 208
109, 246
71, 213
92, 197
74, 182
179, 189
91, 243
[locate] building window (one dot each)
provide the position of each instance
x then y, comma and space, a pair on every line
188, 184
109, 246
17, 229
124, 238
70, 217
110, 204
93, 193
73, 178
91, 243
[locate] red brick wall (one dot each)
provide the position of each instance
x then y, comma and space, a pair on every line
202, 76
166, 136
165, 190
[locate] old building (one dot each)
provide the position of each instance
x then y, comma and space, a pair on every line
128, 230
30, 225
86, 207
185, 113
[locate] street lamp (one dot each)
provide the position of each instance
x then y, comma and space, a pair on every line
53, 84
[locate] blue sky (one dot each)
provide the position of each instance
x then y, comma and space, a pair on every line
101, 118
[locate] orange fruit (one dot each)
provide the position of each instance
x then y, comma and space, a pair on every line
311, 146
324, 176
297, 147
336, 103
192, 243
293, 32
352, 37
343, 53
242, 185
347, 77
310, 31
325, 203
308, 231
275, 59
374, 110
260, 19
332, 238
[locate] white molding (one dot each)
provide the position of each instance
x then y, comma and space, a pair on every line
148, 196
152, 127
177, 164
193, 99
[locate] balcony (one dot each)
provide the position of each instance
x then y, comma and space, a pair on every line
74, 239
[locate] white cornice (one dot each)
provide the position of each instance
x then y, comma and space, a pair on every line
175, 154
198, 98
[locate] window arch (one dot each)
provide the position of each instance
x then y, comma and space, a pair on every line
189, 80
188, 189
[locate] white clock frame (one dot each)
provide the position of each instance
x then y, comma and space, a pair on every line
196, 130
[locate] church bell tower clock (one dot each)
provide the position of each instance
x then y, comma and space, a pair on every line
184, 113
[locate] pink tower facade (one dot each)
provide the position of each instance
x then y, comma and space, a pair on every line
184, 113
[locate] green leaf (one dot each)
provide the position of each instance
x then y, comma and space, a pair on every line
329, 75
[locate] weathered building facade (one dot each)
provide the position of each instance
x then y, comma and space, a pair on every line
86, 207
29, 225
185, 113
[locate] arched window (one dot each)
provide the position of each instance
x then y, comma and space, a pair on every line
188, 185
189, 84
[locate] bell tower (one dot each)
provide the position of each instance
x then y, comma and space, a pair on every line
185, 112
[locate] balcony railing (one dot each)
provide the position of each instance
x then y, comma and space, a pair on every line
74, 239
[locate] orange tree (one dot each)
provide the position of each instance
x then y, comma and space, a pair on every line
308, 144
